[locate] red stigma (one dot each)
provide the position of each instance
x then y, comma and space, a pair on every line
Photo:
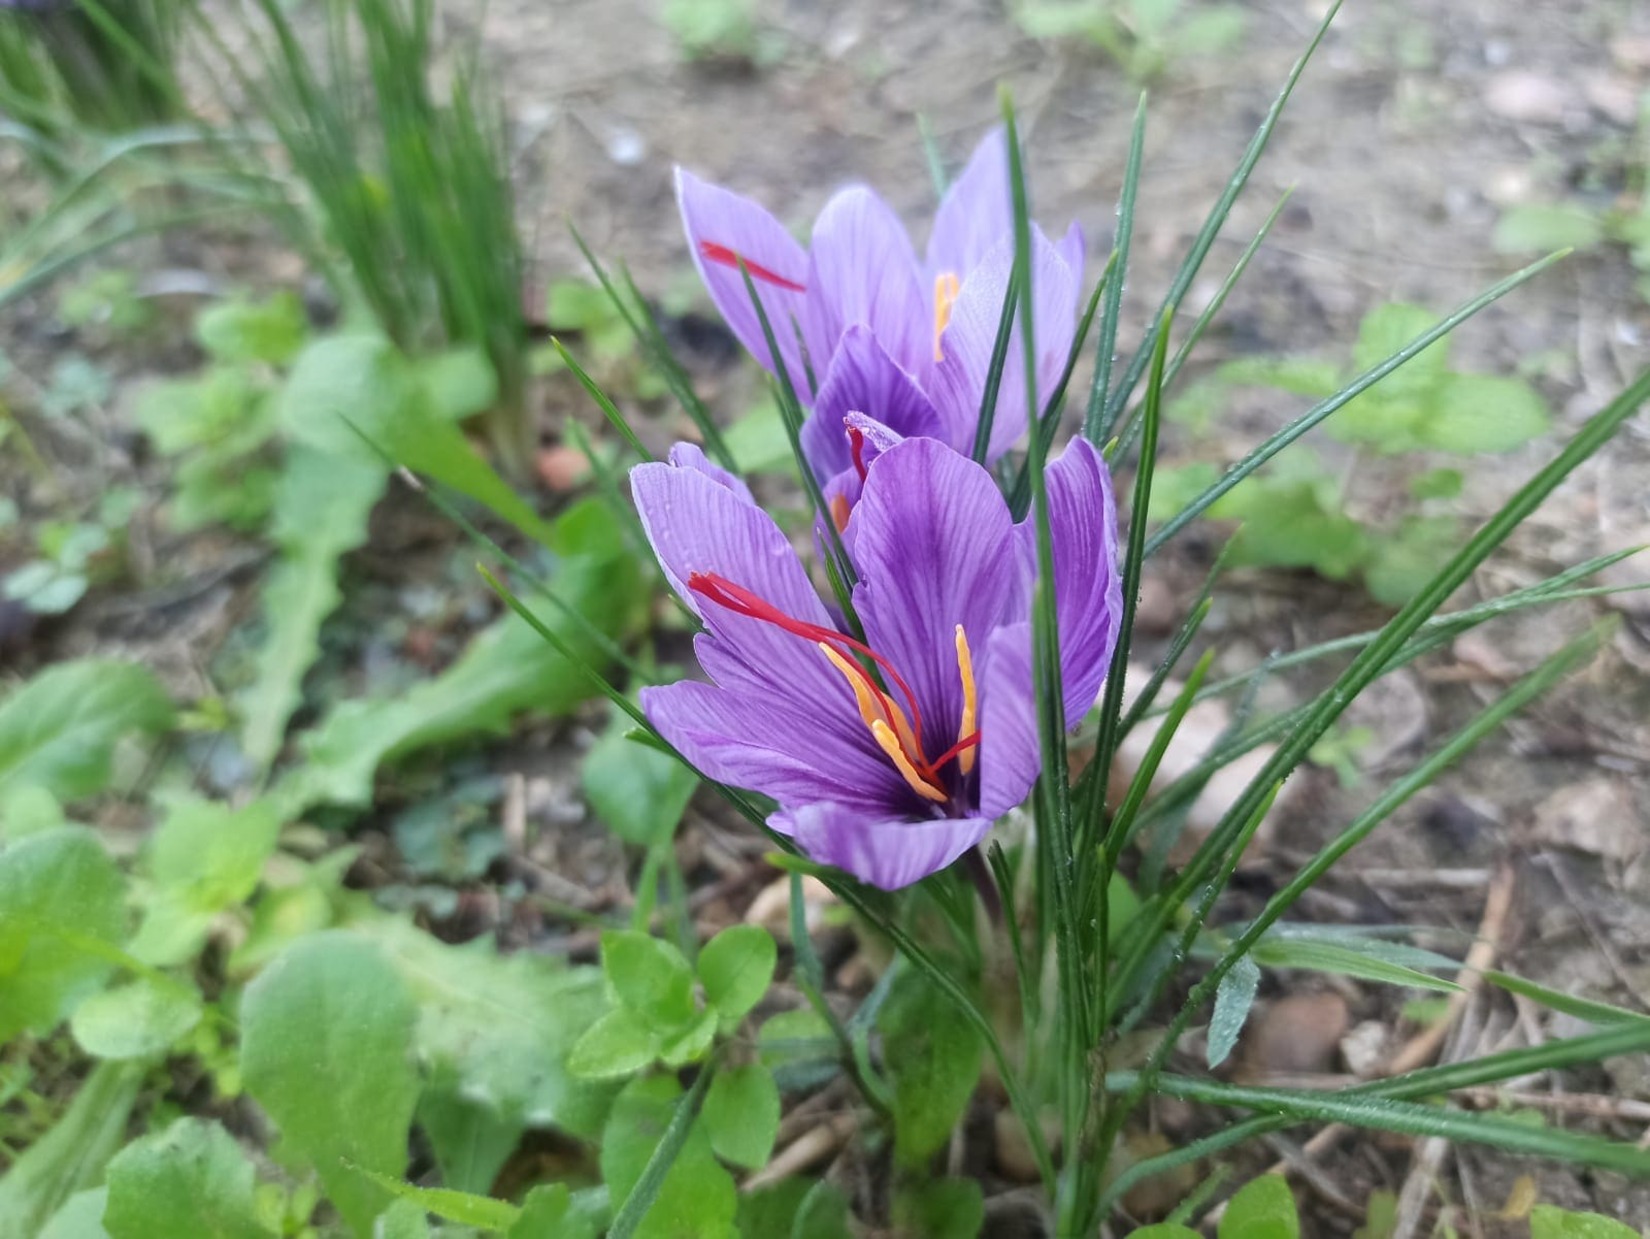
856, 444
729, 258
741, 601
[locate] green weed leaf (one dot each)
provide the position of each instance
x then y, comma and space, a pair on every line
61, 897
617, 1045
72, 1155
934, 1059
696, 1199
269, 331
59, 730
140, 1019
650, 977
326, 1039
639, 792
192, 1179
736, 968
1262, 1209
741, 1115
1541, 228
1550, 1222
321, 507
204, 857
1234, 998
941, 1209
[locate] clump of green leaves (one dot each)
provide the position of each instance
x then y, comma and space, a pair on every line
410, 206
1299, 512
105, 65
70, 556
1143, 36
724, 30
219, 425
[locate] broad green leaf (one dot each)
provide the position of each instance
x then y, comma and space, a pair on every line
1262, 1209
71, 1156
1539, 228
741, 1115
692, 1043
1384, 331
471, 1139
1293, 519
1301, 376
1473, 413
1164, 1230
934, 1059
81, 1217
460, 383
637, 791
61, 898
404, 1219
759, 442
140, 1019
508, 668
497, 1030
1174, 488
349, 386
550, 1212
736, 968
941, 1209
269, 331
619, 1044
192, 1179
1550, 1222
1234, 998
1437, 484
650, 977
697, 1199
799, 1048
28, 810
59, 730
1366, 963
326, 1050
321, 507
204, 857
795, 1209
1404, 560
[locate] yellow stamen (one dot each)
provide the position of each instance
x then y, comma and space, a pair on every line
839, 515
946, 288
965, 666
891, 746
874, 707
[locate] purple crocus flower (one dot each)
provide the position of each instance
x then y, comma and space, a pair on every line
862, 326
891, 757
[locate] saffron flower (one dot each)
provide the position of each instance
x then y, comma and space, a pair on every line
861, 325
891, 756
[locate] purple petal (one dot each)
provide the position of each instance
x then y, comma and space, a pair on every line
723, 227
1073, 248
1088, 584
976, 213
698, 525
884, 853
769, 745
863, 271
959, 379
1011, 752
1088, 599
932, 531
692, 456
863, 378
